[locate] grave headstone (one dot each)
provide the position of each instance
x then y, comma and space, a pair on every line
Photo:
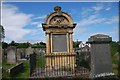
11, 55
29, 51
101, 64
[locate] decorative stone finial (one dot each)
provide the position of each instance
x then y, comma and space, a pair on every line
57, 8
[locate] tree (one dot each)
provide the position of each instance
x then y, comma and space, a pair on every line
114, 47
42, 43
76, 44
13, 43
2, 31
23, 45
4, 45
2, 35
39, 45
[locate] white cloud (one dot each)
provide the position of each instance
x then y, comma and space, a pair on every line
114, 33
83, 24
78, 30
94, 10
107, 9
98, 7
86, 12
93, 19
38, 24
41, 17
34, 23
112, 20
14, 22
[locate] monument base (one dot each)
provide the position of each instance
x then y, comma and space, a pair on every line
60, 61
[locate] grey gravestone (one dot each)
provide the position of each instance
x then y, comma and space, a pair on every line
11, 55
29, 51
101, 63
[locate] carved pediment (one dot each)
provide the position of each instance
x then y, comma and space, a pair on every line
58, 19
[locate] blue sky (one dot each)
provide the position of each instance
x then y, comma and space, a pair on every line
22, 20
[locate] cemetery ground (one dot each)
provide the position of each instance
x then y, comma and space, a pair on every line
25, 73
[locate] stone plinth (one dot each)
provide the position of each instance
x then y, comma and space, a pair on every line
100, 54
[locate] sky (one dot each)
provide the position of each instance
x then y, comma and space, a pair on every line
22, 20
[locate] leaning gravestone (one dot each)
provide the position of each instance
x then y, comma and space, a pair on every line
11, 55
101, 64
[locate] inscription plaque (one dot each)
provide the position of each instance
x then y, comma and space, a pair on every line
59, 42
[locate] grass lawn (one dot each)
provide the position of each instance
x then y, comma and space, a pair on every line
7, 66
40, 61
24, 75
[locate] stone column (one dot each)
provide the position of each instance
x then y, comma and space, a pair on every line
71, 42
101, 63
72, 58
47, 43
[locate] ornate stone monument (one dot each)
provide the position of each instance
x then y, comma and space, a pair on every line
101, 64
59, 44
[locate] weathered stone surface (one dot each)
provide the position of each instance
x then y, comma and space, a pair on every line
59, 28
11, 55
59, 43
28, 51
99, 38
100, 54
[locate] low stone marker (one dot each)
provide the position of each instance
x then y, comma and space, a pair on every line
11, 55
101, 64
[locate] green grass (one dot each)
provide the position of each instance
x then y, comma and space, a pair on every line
24, 75
115, 71
114, 46
40, 61
115, 61
7, 66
